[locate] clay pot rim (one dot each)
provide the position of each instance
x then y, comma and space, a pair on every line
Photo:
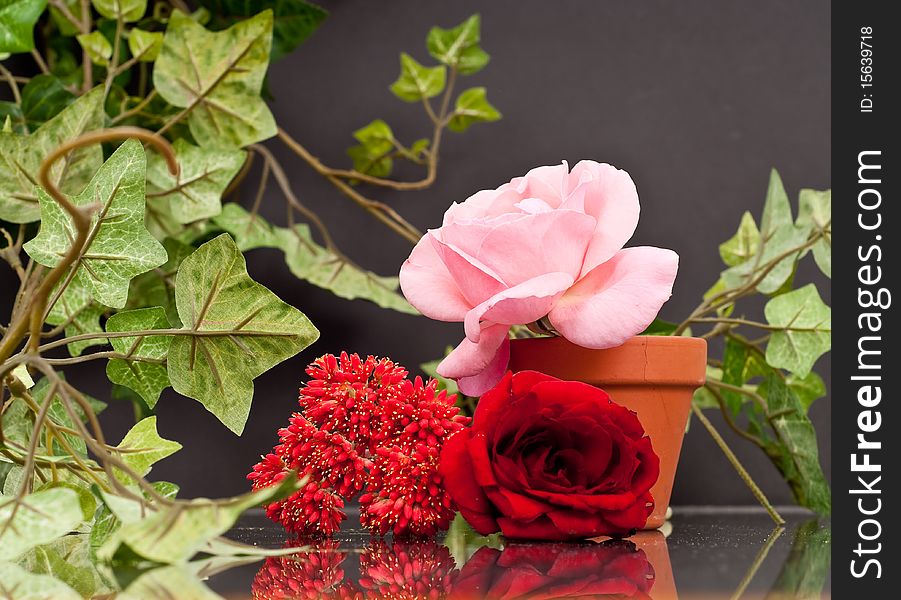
641, 360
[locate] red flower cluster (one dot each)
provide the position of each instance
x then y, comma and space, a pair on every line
363, 427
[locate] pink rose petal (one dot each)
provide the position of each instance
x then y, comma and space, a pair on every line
429, 286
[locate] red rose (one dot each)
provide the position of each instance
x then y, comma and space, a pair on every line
615, 568
551, 460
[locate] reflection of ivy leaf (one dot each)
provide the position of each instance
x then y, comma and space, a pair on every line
17, 19
21, 156
119, 246
459, 46
805, 330
472, 107
238, 330
216, 77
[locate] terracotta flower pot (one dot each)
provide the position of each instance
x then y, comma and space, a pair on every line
653, 375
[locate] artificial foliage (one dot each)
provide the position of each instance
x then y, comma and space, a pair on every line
365, 431
135, 156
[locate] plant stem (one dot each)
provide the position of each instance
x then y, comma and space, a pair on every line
736, 464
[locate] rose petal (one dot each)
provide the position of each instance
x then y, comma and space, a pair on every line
478, 367
520, 304
541, 528
476, 282
456, 470
547, 182
484, 204
429, 286
618, 299
609, 195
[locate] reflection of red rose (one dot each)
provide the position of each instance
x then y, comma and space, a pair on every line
552, 460
613, 568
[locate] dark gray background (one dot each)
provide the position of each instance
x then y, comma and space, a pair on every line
697, 100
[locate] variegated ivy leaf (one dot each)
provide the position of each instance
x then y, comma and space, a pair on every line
41, 517
196, 192
417, 81
816, 211
119, 246
79, 313
144, 371
17, 19
743, 245
21, 156
805, 330
128, 10
310, 261
459, 46
217, 78
97, 46
145, 44
472, 107
27, 585
235, 330
157, 287
68, 560
142, 446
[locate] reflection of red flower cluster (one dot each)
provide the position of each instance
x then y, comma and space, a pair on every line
363, 427
407, 570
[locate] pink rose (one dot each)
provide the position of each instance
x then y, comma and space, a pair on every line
549, 244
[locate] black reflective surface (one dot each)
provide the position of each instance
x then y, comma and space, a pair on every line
701, 553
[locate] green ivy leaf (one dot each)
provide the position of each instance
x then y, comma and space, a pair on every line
743, 245
238, 330
417, 81
142, 446
816, 212
165, 583
175, 534
29, 586
21, 156
217, 78
80, 314
97, 47
157, 287
459, 46
41, 517
795, 450
660, 327
145, 44
370, 155
715, 290
805, 333
472, 107
295, 20
808, 389
196, 193
310, 261
782, 240
67, 559
148, 379
43, 98
777, 211
129, 10
17, 19
119, 245
65, 26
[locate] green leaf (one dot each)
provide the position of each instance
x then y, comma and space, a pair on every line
40, 518
24, 585
743, 245
175, 534
21, 156
217, 78
148, 377
417, 81
129, 10
816, 212
65, 26
369, 156
97, 47
310, 261
777, 210
79, 313
196, 192
472, 107
166, 583
715, 290
67, 559
808, 389
17, 19
795, 450
295, 20
238, 330
145, 44
43, 98
119, 246
142, 446
781, 242
805, 571
805, 333
157, 287
660, 327
459, 46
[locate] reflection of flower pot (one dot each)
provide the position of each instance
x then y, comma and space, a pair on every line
653, 375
